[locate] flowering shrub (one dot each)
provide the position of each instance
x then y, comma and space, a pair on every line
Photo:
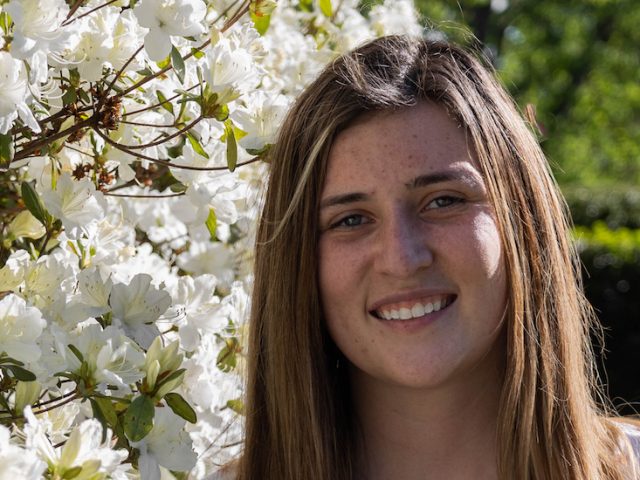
133, 141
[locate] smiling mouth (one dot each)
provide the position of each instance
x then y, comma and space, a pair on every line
413, 309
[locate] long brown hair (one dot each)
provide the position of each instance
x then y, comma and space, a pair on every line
298, 410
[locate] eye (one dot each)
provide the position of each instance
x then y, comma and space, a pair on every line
350, 221
444, 201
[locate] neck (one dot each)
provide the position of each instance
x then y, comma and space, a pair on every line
448, 431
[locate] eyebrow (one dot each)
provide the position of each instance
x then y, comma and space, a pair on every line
418, 182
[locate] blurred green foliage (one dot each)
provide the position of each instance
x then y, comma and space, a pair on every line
576, 61
616, 206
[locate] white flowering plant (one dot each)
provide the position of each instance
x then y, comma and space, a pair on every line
134, 141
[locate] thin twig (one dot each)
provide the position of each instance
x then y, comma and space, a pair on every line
70, 21
156, 105
168, 163
53, 407
165, 139
72, 10
134, 195
135, 54
53, 400
36, 144
142, 124
79, 150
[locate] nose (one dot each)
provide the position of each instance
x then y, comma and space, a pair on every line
404, 246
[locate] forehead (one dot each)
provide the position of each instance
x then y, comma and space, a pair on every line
398, 145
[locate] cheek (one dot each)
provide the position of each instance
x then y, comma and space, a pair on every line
338, 268
488, 247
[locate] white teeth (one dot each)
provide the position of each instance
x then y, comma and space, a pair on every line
418, 310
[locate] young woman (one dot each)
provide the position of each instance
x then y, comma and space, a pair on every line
417, 309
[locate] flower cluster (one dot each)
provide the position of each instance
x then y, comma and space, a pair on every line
133, 141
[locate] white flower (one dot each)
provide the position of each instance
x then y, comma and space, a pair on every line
109, 38
45, 278
167, 445
36, 25
74, 202
261, 119
206, 257
14, 95
165, 18
84, 448
195, 301
111, 357
16, 462
230, 71
95, 290
12, 274
26, 225
21, 325
38, 33
138, 305
393, 17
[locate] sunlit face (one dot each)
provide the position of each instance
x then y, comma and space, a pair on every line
411, 265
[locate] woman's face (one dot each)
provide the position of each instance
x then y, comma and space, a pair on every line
412, 275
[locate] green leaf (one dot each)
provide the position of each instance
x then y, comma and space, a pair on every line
195, 144
232, 147
75, 350
236, 405
33, 202
106, 409
211, 224
20, 373
305, 5
145, 72
178, 63
72, 473
325, 7
83, 96
197, 53
74, 77
6, 152
138, 419
180, 407
4, 360
5, 22
69, 96
227, 359
164, 103
164, 63
261, 22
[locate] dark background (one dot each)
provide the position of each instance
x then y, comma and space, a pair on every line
577, 64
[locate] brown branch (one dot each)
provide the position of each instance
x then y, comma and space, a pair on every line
168, 163
79, 151
132, 195
72, 10
142, 124
36, 144
151, 107
164, 139
115, 79
69, 21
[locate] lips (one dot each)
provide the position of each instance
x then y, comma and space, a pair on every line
410, 309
